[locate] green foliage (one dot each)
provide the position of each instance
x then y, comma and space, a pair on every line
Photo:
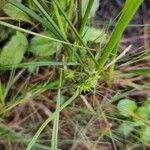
140, 71
54, 142
144, 111
126, 128
44, 47
95, 35
128, 12
145, 134
52, 117
89, 82
14, 50
15, 12
141, 114
64, 4
94, 7
1, 95
127, 107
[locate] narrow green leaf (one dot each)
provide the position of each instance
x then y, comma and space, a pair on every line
127, 14
140, 71
59, 18
40, 35
54, 142
1, 95
50, 118
75, 31
37, 64
64, 4
93, 8
87, 5
32, 14
51, 26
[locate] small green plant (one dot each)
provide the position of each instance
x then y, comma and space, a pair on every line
145, 134
63, 42
90, 82
136, 119
127, 107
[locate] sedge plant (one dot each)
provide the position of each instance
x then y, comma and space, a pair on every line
59, 25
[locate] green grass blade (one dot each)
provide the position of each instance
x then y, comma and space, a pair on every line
50, 20
11, 81
61, 36
75, 31
54, 141
1, 94
18, 99
40, 35
59, 19
50, 118
86, 16
140, 71
49, 26
37, 64
127, 14
33, 15
70, 12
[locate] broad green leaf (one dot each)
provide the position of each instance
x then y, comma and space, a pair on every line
95, 35
127, 107
14, 50
44, 47
15, 13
